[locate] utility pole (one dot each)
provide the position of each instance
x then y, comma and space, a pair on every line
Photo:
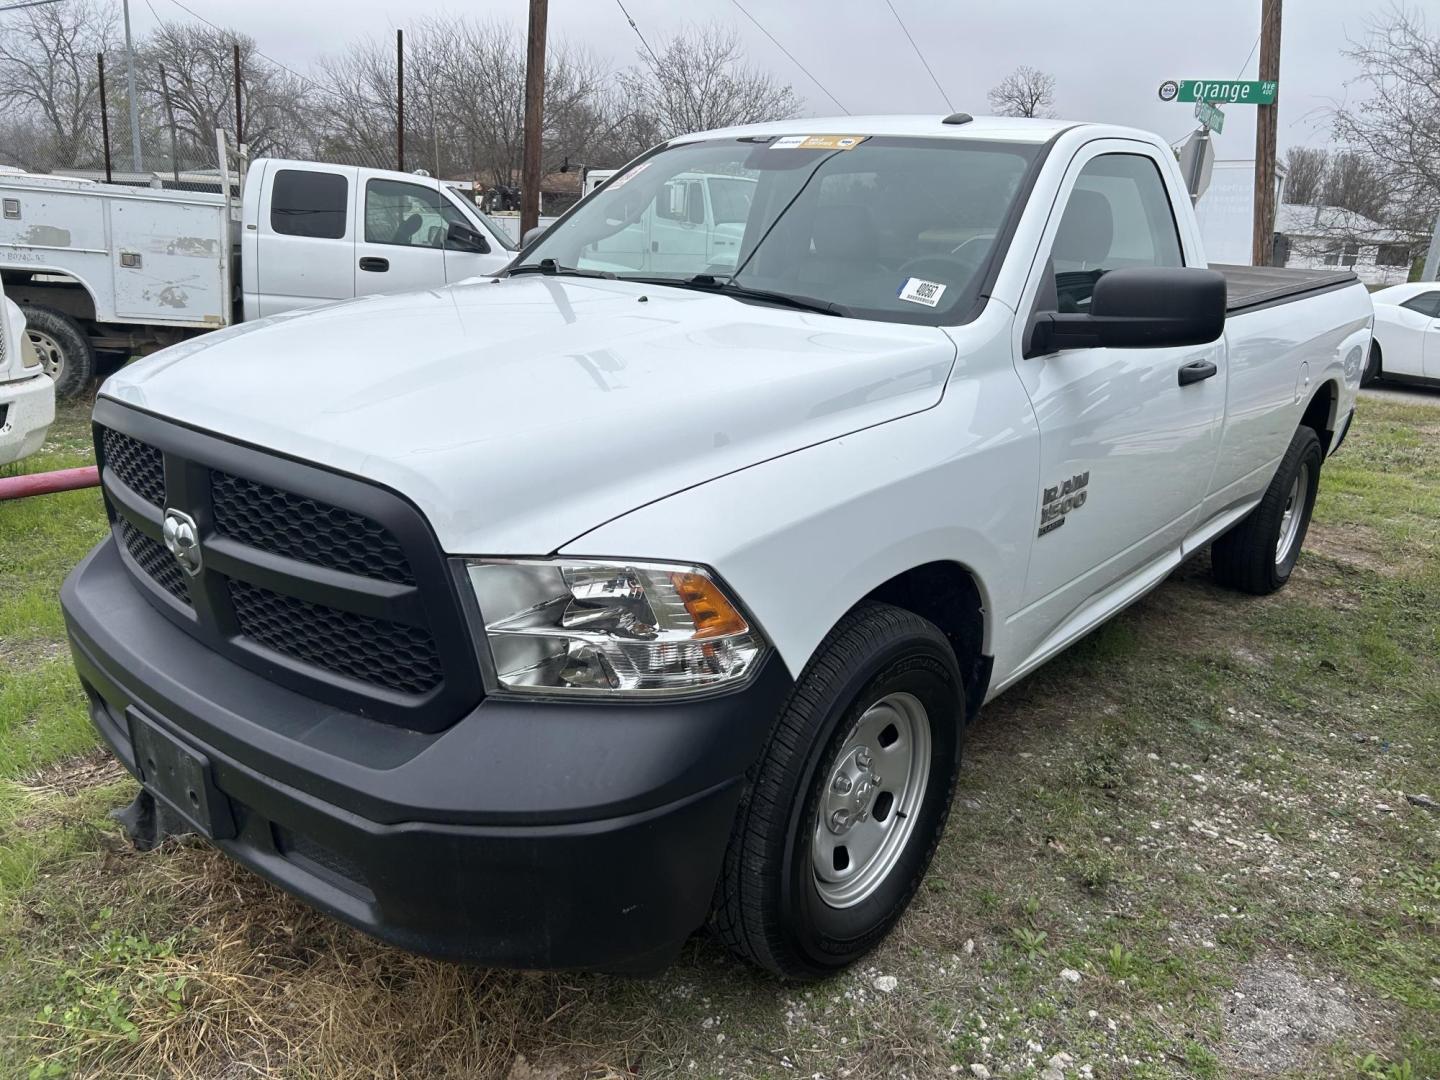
400, 98
137, 163
534, 118
1266, 118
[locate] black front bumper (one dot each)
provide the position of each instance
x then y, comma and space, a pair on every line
530, 834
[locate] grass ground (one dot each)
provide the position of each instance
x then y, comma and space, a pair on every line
1187, 847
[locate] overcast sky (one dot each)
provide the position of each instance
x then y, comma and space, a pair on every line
1108, 56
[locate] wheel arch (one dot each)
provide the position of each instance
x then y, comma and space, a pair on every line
69, 295
950, 595
1320, 413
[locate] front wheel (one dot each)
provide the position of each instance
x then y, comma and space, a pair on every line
849, 799
1258, 555
64, 350
1372, 365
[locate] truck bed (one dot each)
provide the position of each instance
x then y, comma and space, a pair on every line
1265, 286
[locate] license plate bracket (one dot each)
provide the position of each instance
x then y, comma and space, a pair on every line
181, 776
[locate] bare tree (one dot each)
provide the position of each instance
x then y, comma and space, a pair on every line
1305, 169
48, 82
1024, 92
200, 73
1356, 182
1397, 125
697, 81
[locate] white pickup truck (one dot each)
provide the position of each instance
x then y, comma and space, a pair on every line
114, 269
541, 620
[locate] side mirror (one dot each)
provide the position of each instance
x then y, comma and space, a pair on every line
533, 235
460, 237
1139, 308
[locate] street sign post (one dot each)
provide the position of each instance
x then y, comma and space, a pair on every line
1197, 159
1210, 116
1229, 91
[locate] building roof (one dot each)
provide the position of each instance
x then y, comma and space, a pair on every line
1298, 219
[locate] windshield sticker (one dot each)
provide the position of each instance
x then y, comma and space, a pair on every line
625, 177
919, 291
818, 142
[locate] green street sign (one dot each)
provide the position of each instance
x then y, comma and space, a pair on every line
1229, 91
1210, 116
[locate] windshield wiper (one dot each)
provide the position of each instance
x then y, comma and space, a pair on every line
550, 268
728, 287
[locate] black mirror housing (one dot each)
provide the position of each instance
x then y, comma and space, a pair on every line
1139, 308
460, 237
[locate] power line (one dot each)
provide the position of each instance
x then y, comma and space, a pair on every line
27, 4
787, 52
920, 56
634, 26
1246, 64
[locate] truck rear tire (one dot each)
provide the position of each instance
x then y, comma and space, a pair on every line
63, 348
1258, 554
847, 803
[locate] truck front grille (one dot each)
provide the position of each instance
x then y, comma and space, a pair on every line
140, 466
323, 583
387, 654
301, 528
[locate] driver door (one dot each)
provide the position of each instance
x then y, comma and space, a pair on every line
1126, 450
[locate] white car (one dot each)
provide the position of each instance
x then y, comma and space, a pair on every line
1407, 333
27, 396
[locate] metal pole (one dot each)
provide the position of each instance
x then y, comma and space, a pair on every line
137, 162
400, 98
104, 115
170, 116
1432, 258
534, 118
1265, 131
1197, 165
239, 113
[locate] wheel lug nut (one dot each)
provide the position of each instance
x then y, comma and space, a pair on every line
842, 785
840, 820
863, 760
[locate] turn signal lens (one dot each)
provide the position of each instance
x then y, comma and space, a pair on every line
611, 627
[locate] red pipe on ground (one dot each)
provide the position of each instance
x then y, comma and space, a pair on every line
47, 483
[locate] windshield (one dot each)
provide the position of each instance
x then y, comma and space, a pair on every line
887, 228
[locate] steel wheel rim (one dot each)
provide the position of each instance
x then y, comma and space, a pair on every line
871, 800
52, 357
1292, 514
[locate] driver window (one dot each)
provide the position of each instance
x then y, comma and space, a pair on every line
1427, 304
1118, 215
407, 215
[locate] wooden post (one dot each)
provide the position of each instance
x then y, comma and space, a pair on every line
239, 114
104, 115
534, 118
1265, 132
400, 98
170, 116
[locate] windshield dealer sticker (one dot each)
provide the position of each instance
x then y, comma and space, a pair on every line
625, 177
818, 142
919, 291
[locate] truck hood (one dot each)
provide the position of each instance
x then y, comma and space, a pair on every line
523, 413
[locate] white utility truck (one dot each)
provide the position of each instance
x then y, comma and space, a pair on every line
27, 396
541, 620
109, 268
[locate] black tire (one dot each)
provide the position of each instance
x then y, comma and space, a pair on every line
64, 350
1248, 556
1373, 370
768, 906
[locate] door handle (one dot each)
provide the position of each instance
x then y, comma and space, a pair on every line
1197, 371
374, 265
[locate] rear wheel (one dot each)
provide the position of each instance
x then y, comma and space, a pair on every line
848, 802
1258, 555
1372, 365
64, 351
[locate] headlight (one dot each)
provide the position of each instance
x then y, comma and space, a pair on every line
611, 626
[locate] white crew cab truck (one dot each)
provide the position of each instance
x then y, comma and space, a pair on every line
541, 620
105, 268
